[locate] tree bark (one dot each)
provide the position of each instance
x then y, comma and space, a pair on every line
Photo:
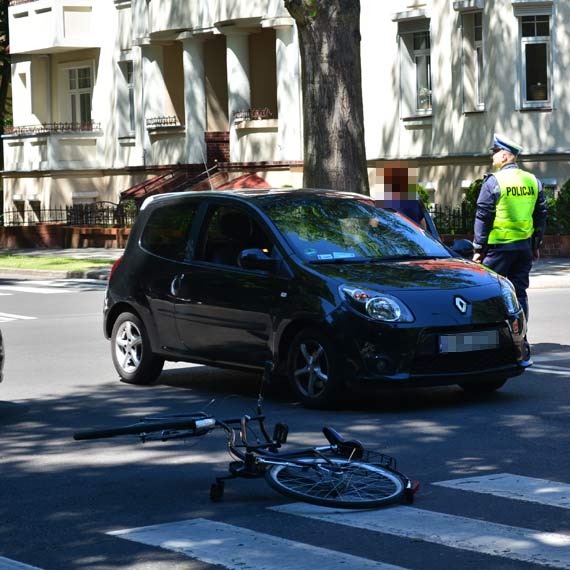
333, 117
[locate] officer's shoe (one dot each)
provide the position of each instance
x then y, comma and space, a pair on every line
526, 350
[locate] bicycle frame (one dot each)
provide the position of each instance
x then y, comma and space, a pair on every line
334, 472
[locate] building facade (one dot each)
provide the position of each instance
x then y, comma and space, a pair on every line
107, 93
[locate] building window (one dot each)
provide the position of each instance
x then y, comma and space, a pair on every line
80, 86
414, 48
127, 95
473, 62
129, 75
263, 73
478, 36
422, 63
536, 61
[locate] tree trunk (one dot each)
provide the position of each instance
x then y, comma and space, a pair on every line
333, 117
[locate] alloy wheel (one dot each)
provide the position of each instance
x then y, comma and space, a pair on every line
311, 369
129, 347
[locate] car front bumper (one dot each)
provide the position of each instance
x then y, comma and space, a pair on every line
414, 356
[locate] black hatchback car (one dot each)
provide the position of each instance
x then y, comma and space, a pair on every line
325, 286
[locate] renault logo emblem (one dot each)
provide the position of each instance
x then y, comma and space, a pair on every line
461, 304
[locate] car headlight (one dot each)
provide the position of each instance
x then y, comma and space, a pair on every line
379, 306
509, 296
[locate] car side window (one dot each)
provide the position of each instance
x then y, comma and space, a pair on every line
228, 232
167, 229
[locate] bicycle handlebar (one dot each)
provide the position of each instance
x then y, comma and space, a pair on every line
199, 425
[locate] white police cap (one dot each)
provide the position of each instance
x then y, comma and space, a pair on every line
500, 141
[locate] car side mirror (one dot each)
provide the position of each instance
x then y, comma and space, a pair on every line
463, 247
256, 259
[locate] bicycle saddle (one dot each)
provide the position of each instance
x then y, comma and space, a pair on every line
347, 447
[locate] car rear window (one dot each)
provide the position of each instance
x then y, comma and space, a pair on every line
167, 230
328, 229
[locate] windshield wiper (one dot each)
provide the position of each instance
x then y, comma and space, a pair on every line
408, 257
340, 260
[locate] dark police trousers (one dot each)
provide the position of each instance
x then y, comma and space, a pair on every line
515, 265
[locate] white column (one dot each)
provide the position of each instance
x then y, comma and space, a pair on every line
290, 136
239, 94
194, 100
152, 94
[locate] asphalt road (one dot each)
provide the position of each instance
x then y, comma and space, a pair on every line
60, 499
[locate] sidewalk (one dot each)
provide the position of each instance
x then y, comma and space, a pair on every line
546, 273
101, 273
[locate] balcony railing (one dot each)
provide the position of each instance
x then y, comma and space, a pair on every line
253, 114
161, 122
51, 128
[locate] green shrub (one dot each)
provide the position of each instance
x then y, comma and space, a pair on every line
563, 207
424, 194
472, 193
558, 220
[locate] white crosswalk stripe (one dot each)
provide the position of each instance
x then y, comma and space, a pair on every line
7, 564
515, 487
544, 548
237, 548
243, 549
7, 317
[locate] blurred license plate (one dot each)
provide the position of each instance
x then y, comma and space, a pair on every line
469, 342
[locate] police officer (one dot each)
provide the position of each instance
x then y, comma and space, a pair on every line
510, 218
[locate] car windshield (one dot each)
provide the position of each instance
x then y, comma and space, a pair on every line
348, 230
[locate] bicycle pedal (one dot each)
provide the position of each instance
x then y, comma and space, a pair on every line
250, 462
280, 432
217, 491
411, 489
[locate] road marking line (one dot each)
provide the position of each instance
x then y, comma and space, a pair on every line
241, 549
38, 290
515, 487
7, 564
544, 548
559, 370
551, 367
9, 317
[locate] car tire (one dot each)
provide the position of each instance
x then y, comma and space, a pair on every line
314, 369
483, 387
132, 356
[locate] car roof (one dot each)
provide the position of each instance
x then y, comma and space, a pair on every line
251, 194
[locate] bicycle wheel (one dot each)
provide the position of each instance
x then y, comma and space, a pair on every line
337, 482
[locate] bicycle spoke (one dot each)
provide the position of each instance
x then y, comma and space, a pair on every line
338, 482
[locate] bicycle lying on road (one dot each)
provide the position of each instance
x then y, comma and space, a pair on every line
341, 474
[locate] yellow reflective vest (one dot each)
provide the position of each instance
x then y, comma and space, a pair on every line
514, 208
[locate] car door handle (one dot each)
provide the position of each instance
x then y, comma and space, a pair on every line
175, 286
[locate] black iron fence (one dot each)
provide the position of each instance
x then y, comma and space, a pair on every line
98, 214
453, 219
447, 219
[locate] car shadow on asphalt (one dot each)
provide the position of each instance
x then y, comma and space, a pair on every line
231, 384
11, 411
554, 350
